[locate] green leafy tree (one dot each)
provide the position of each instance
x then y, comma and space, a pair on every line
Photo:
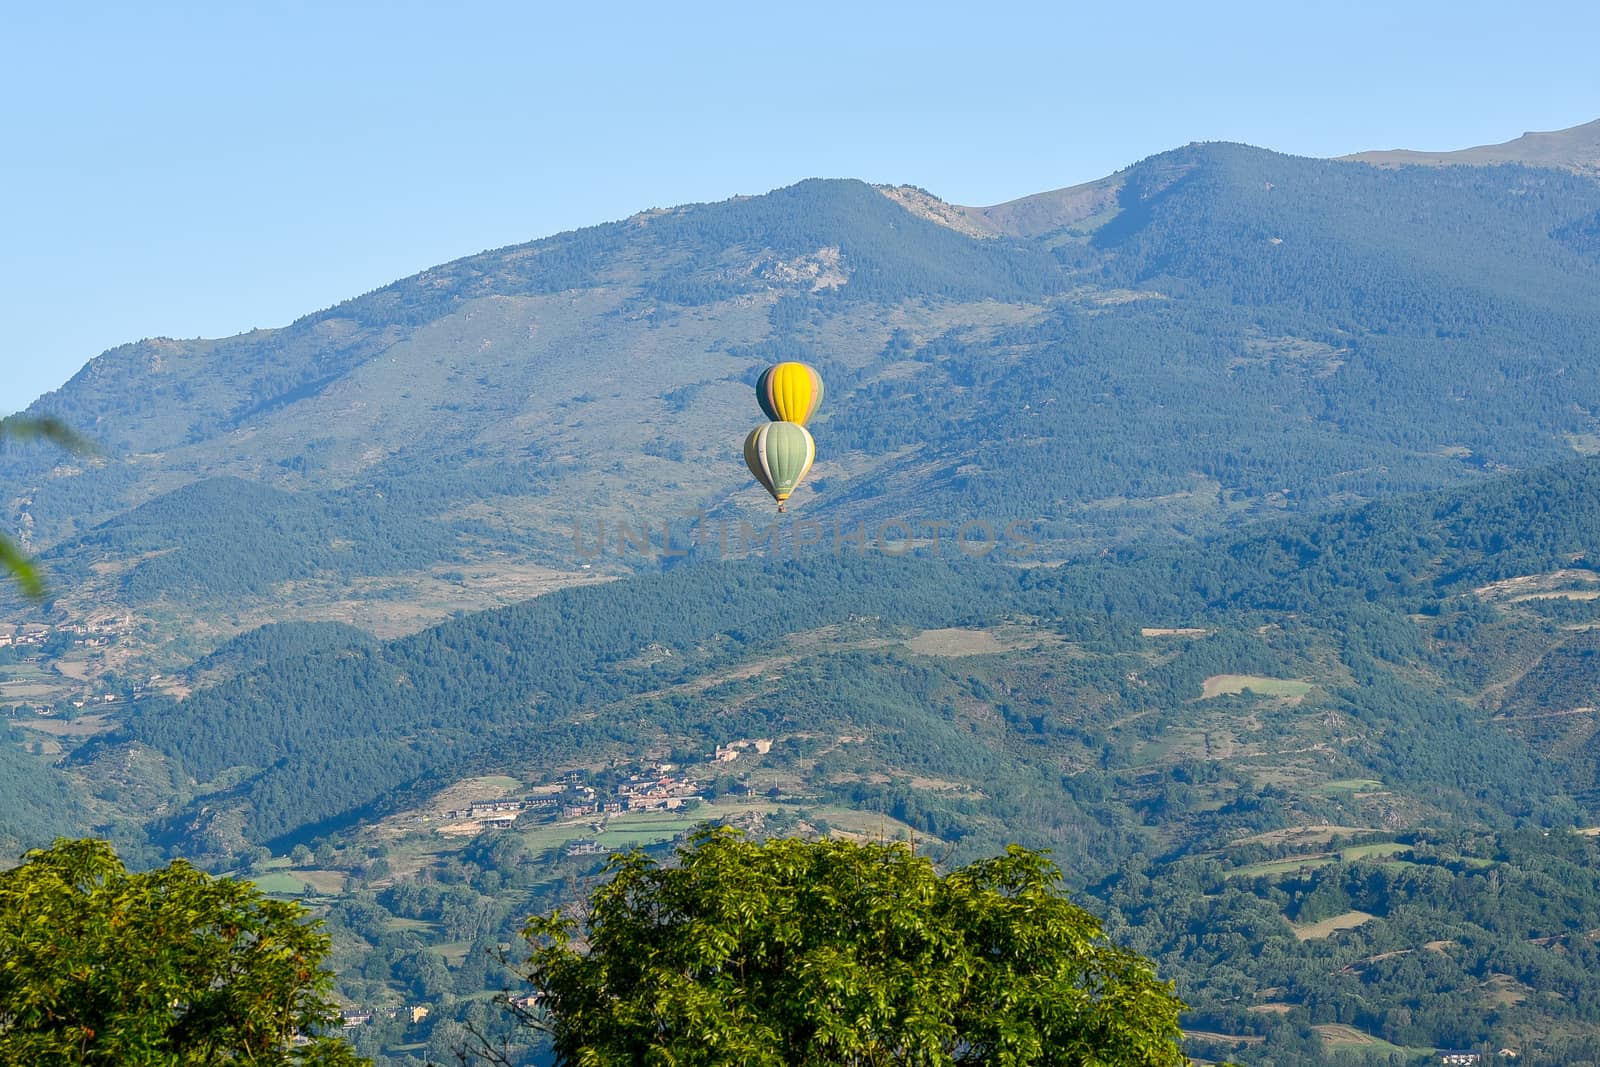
831, 952
13, 560
167, 967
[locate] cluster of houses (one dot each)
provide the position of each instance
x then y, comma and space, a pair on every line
503, 812
94, 633
655, 789
29, 633
730, 752
351, 1018
664, 792
139, 689
1468, 1058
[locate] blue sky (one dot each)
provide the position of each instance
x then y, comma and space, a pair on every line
201, 169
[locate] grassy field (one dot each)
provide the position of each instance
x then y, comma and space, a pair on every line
1283, 866
1327, 927
29, 690
1338, 1035
647, 828
1387, 850
1366, 852
280, 884
454, 952
289, 882
1173, 744
865, 825
953, 643
1504, 991
1315, 834
1233, 684
1351, 785
1224, 1039
322, 881
618, 831
80, 727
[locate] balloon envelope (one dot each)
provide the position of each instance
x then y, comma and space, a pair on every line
779, 454
789, 392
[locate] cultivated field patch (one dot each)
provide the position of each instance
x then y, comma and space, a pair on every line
1315, 834
1379, 848
280, 884
1330, 926
1234, 684
1339, 1035
1568, 584
956, 642
1212, 1037
1309, 860
82, 726
1288, 865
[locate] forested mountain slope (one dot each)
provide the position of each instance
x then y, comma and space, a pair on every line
1380, 625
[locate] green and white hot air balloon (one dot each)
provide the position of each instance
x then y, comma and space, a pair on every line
779, 454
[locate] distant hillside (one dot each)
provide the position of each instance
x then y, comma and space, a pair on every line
1373, 615
1576, 148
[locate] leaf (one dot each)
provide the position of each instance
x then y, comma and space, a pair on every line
22, 569
23, 428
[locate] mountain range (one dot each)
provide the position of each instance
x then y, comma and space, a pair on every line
1227, 526
1214, 335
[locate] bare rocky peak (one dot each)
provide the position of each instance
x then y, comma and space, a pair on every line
925, 205
1029, 216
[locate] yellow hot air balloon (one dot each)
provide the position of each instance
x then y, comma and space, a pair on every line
779, 454
789, 392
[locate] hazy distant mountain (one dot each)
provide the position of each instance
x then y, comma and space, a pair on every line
1576, 148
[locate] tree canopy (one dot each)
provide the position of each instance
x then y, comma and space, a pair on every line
165, 967
831, 952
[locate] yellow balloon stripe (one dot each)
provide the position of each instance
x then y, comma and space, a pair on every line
790, 392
